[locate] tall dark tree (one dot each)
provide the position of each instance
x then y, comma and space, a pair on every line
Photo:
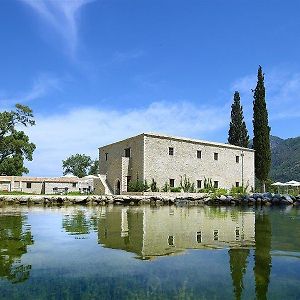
238, 133
261, 130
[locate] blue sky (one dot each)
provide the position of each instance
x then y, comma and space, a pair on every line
97, 71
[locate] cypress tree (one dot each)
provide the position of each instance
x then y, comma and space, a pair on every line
261, 130
238, 134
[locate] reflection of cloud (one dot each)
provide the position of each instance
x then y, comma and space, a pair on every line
40, 88
84, 130
62, 16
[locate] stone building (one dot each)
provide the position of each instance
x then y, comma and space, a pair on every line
49, 185
167, 159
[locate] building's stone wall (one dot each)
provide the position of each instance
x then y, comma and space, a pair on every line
117, 167
162, 167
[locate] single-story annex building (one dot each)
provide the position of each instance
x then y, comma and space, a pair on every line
50, 185
166, 159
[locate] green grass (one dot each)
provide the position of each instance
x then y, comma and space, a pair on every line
15, 193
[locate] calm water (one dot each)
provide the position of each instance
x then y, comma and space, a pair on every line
149, 253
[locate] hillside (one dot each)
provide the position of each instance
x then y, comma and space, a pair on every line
285, 159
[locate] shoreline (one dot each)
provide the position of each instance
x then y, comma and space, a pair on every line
261, 199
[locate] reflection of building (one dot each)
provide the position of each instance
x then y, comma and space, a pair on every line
166, 230
166, 158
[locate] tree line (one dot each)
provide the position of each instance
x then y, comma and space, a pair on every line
15, 146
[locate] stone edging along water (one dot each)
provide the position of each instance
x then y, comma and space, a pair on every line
197, 199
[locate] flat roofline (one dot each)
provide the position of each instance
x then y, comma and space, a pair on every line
184, 139
39, 179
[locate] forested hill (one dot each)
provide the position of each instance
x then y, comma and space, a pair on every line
285, 159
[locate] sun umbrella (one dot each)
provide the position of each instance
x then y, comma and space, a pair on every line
278, 184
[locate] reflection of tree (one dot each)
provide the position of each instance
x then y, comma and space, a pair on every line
238, 266
14, 240
77, 223
262, 267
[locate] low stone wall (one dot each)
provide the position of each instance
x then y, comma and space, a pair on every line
158, 199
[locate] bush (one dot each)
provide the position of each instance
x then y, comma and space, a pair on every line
137, 186
176, 189
153, 186
166, 187
186, 185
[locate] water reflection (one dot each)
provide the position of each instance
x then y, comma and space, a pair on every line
15, 236
78, 222
154, 232
262, 266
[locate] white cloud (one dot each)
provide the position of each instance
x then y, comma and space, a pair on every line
84, 130
41, 86
62, 16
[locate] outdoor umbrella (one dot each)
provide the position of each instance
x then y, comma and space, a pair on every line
278, 184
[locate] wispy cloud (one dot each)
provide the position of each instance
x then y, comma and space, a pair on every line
62, 16
41, 86
282, 93
84, 130
126, 56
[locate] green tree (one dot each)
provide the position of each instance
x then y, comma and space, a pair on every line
261, 130
94, 168
238, 133
80, 165
15, 146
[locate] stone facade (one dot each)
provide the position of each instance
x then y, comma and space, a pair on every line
49, 185
167, 159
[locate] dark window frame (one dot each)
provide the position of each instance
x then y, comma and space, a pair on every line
199, 184
216, 184
216, 156
127, 152
28, 185
172, 182
237, 184
106, 156
171, 151
237, 159
199, 154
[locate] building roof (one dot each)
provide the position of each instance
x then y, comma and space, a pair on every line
185, 139
39, 179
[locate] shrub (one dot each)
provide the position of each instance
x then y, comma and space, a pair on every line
153, 186
166, 187
137, 186
186, 185
176, 189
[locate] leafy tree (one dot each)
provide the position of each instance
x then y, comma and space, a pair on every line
15, 146
238, 133
261, 130
94, 168
80, 165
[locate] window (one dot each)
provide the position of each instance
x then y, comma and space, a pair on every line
216, 235
106, 156
216, 184
237, 184
216, 156
128, 178
237, 159
199, 153
237, 233
172, 183
74, 184
28, 185
171, 240
199, 184
199, 237
127, 152
171, 151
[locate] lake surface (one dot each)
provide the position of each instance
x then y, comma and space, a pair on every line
149, 253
